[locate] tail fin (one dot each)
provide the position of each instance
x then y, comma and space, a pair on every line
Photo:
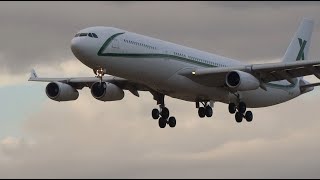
299, 46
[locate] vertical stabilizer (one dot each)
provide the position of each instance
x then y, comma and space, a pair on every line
299, 46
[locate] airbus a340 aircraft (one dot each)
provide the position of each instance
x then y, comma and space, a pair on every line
141, 63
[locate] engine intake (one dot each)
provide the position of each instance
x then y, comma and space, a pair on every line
58, 91
106, 91
241, 81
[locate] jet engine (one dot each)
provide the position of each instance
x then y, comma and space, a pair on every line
58, 91
106, 91
241, 81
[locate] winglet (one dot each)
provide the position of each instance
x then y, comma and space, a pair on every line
33, 75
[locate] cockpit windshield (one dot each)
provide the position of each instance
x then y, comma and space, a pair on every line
92, 35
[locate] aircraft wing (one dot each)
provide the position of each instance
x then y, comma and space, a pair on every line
215, 77
80, 82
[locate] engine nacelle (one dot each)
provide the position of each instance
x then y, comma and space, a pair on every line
58, 91
106, 91
241, 81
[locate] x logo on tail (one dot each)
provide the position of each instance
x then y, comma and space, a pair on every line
301, 53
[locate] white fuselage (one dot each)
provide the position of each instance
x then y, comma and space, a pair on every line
156, 64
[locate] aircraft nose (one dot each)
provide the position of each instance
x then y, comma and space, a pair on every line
80, 47
83, 49
76, 46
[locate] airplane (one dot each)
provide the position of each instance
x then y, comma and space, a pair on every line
134, 62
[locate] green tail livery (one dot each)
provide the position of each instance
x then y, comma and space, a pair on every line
301, 53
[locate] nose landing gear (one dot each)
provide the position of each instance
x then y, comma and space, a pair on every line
100, 73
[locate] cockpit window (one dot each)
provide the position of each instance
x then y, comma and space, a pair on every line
92, 35
83, 34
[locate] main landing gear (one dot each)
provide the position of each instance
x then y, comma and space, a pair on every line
240, 112
206, 110
163, 114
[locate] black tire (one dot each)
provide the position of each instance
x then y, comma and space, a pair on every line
162, 122
165, 113
242, 107
239, 117
232, 108
172, 122
209, 111
155, 113
202, 112
249, 116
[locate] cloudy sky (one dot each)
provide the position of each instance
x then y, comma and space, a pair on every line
40, 138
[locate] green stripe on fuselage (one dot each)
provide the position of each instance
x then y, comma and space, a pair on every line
146, 55
156, 55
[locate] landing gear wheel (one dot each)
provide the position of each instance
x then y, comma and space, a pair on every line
202, 112
155, 114
209, 111
239, 117
162, 122
232, 108
242, 107
172, 122
249, 116
165, 113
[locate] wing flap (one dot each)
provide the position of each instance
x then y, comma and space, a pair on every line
286, 71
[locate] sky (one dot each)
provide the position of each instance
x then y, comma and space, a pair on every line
41, 138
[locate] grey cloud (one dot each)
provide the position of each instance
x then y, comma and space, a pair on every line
74, 140
40, 32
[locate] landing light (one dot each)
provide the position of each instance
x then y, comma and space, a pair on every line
193, 72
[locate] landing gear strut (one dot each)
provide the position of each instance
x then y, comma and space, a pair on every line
100, 73
206, 110
163, 113
241, 113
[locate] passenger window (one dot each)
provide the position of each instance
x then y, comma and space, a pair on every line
94, 35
